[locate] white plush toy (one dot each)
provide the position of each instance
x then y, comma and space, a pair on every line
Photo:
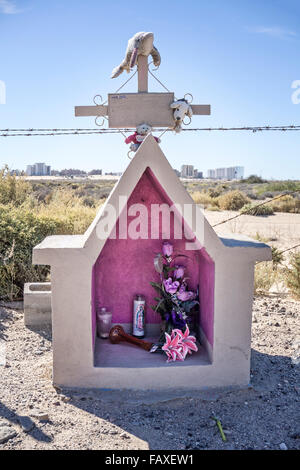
140, 44
137, 138
181, 109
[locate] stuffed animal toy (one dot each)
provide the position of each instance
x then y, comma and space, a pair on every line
139, 44
181, 109
137, 138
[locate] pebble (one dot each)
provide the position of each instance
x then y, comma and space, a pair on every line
65, 399
26, 423
6, 432
40, 415
283, 446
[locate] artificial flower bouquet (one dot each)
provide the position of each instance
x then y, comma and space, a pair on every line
176, 305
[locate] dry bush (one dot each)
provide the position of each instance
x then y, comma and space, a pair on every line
233, 200
293, 274
256, 209
264, 276
202, 198
25, 221
12, 190
286, 204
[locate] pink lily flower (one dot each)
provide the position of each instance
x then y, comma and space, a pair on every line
179, 344
187, 341
172, 348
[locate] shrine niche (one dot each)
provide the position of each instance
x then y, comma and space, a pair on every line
110, 264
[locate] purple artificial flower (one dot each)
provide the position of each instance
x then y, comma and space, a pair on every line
179, 272
170, 286
185, 295
167, 249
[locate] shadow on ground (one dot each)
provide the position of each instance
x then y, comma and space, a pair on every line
15, 419
257, 417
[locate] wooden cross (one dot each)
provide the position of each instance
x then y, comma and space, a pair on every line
131, 109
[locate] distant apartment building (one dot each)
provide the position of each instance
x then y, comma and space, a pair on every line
38, 169
230, 173
198, 174
187, 171
235, 173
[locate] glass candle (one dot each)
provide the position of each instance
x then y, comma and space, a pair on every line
103, 322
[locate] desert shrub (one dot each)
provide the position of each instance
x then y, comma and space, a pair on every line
253, 179
264, 276
12, 190
88, 201
255, 209
267, 194
29, 213
20, 231
287, 204
277, 257
202, 198
233, 200
215, 192
70, 210
252, 196
278, 186
293, 274
261, 238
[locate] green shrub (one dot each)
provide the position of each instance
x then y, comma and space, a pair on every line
20, 231
256, 209
278, 186
232, 201
277, 257
293, 274
253, 179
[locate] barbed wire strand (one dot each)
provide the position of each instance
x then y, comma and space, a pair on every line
84, 131
289, 249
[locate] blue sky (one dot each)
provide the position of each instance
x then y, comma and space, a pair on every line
239, 56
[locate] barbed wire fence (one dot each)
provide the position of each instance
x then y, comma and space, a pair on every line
32, 132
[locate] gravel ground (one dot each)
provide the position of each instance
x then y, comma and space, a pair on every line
34, 415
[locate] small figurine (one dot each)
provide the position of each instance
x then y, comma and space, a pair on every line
181, 109
139, 44
137, 138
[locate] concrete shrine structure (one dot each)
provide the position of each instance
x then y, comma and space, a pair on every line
114, 260
92, 269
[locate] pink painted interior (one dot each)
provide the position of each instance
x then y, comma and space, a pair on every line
94, 322
124, 268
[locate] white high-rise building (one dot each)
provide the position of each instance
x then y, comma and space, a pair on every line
230, 173
235, 173
38, 169
187, 171
211, 174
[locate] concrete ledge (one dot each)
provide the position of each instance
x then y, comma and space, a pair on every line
37, 303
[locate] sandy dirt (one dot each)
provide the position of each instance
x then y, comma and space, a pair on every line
35, 415
281, 229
